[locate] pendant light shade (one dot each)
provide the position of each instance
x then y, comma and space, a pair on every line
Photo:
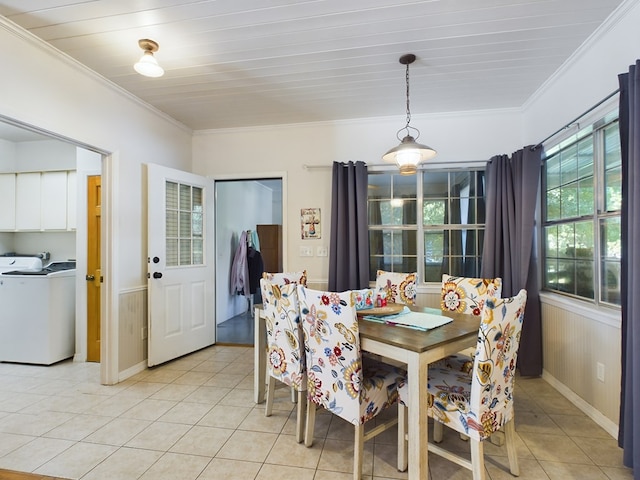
409, 154
148, 65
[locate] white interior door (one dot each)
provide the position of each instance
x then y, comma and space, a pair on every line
180, 263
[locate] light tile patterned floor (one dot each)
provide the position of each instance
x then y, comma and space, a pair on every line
194, 419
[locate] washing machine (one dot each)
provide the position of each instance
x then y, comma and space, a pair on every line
37, 310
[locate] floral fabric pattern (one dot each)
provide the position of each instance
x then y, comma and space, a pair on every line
479, 403
338, 378
363, 299
284, 278
285, 343
467, 295
397, 287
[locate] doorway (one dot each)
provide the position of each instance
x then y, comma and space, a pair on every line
241, 206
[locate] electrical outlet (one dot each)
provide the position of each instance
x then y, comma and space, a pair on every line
322, 251
600, 371
306, 251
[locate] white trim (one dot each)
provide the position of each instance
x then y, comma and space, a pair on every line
608, 316
23, 34
609, 426
109, 301
131, 371
139, 288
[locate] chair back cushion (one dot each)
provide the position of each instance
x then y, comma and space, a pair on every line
332, 343
285, 342
468, 295
398, 287
283, 278
482, 403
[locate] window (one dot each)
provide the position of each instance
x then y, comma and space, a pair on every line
581, 201
184, 233
431, 223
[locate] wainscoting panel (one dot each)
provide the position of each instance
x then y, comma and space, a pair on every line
576, 348
132, 342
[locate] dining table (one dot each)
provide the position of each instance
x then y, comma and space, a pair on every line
412, 347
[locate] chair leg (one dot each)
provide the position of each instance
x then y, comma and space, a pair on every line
358, 452
403, 444
477, 459
311, 423
300, 416
510, 434
438, 429
271, 390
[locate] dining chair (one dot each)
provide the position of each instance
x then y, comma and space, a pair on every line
339, 379
480, 404
466, 295
282, 278
398, 287
285, 346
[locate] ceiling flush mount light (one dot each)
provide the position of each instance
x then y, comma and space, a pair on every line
409, 153
148, 65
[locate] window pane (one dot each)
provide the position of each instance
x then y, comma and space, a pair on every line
392, 250
185, 251
185, 197
569, 165
553, 204
434, 211
551, 273
585, 158
552, 169
584, 279
551, 241
610, 260
569, 201
379, 185
566, 241
584, 240
185, 224
566, 276
171, 195
613, 189
172, 252
586, 201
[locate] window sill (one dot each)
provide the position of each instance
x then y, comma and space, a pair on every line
605, 315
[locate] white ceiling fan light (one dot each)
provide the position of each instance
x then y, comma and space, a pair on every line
148, 65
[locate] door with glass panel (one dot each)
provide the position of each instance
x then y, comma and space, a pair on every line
180, 263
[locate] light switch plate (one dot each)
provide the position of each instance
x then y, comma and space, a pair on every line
306, 251
322, 251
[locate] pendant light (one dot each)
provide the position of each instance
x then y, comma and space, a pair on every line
148, 65
409, 153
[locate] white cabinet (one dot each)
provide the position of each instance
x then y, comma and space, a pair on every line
28, 199
7, 201
38, 201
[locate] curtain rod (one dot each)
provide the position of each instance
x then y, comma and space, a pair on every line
591, 109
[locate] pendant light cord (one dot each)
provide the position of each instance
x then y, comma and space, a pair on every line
408, 109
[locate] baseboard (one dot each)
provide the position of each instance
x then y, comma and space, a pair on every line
595, 415
131, 371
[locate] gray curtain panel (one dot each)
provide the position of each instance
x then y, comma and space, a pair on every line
629, 111
349, 245
509, 253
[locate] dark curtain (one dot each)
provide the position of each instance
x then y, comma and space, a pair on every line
349, 244
629, 424
509, 253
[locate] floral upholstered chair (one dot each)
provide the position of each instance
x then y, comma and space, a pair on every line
285, 345
466, 295
338, 378
283, 278
479, 404
398, 287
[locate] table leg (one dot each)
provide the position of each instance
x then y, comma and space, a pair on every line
259, 354
417, 373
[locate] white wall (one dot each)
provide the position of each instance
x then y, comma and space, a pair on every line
76, 103
459, 137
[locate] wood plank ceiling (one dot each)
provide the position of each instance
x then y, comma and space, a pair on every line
232, 63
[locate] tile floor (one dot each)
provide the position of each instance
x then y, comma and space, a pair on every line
194, 418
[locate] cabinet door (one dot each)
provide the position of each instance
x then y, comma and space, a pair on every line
54, 200
28, 197
72, 220
7, 201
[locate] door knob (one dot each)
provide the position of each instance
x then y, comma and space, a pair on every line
157, 275
89, 278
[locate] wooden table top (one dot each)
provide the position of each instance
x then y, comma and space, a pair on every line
463, 325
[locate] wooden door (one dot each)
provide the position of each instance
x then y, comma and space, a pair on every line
270, 237
93, 274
